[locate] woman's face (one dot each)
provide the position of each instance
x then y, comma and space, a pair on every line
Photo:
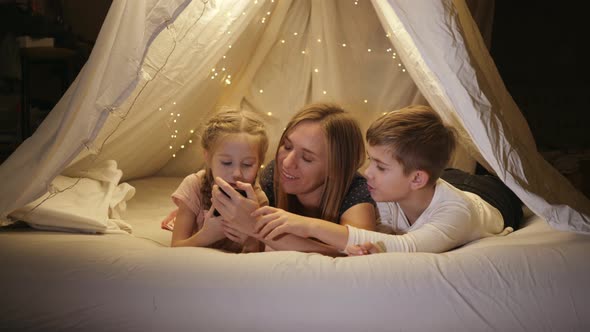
235, 158
301, 161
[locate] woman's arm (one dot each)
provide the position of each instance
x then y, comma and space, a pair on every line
182, 235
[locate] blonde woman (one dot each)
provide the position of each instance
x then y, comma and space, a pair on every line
314, 178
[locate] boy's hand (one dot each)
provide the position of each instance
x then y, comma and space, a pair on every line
273, 222
366, 248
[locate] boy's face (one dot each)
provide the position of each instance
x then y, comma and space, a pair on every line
236, 159
385, 176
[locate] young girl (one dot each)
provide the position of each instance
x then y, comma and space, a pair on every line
234, 144
408, 150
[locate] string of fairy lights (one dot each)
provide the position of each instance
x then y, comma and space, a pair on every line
222, 72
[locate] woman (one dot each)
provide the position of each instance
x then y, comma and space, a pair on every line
314, 177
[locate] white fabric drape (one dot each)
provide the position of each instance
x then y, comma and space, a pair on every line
159, 68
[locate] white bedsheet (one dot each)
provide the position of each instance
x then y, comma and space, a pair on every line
534, 279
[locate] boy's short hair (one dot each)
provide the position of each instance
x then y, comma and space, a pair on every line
417, 138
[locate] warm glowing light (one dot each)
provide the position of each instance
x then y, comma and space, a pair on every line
172, 114
319, 40
192, 131
343, 44
170, 147
302, 52
227, 81
282, 41
366, 101
174, 155
177, 114
160, 108
295, 33
261, 91
229, 46
369, 50
404, 70
316, 70
324, 92
174, 120
182, 146
176, 131
190, 141
269, 113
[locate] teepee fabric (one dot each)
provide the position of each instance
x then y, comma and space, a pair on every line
159, 68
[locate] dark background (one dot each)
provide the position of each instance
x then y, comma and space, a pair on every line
538, 47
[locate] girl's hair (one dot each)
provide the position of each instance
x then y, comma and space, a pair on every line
219, 126
345, 154
417, 138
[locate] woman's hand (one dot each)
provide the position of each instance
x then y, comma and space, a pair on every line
236, 210
274, 222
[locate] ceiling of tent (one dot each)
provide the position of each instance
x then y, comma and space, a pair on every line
271, 57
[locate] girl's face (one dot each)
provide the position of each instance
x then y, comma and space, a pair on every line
385, 176
235, 158
301, 161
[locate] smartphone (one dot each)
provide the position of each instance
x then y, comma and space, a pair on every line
242, 192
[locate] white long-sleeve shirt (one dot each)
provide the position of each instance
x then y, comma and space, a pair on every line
453, 218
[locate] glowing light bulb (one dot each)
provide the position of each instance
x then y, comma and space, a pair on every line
302, 52
192, 131
366, 101
261, 91
324, 92
316, 70
172, 114
190, 141
403, 70
227, 81
282, 41
174, 155
295, 33
174, 120
170, 147
182, 146
369, 50
159, 108
177, 114
269, 113
319, 40
343, 44
176, 131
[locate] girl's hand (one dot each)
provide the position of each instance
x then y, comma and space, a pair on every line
212, 227
235, 209
233, 234
274, 222
366, 248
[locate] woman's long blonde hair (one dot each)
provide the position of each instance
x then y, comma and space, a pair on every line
221, 124
346, 152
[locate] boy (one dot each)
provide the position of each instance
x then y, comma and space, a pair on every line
408, 151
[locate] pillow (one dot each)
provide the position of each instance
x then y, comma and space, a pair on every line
91, 203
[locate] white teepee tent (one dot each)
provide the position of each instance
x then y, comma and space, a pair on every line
160, 67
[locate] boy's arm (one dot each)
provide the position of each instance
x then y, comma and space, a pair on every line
445, 230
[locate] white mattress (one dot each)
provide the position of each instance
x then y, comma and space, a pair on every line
534, 279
